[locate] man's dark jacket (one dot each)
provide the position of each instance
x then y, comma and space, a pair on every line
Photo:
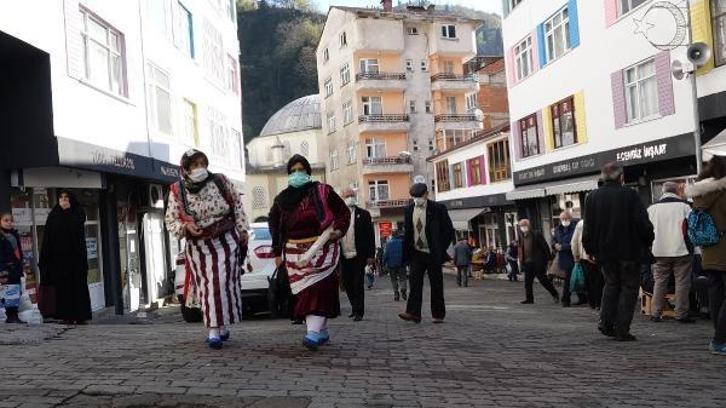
563, 236
541, 253
365, 238
439, 232
617, 227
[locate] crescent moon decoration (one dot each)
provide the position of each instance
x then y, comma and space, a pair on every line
676, 35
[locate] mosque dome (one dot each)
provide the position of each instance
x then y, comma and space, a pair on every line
298, 115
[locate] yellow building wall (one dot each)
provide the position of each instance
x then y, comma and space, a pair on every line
580, 117
392, 102
702, 29
398, 185
437, 62
395, 142
386, 62
439, 99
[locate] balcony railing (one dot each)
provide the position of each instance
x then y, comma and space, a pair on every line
388, 203
453, 77
455, 118
383, 118
386, 161
381, 76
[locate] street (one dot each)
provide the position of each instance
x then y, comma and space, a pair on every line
491, 352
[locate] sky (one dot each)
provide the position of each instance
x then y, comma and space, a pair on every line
494, 6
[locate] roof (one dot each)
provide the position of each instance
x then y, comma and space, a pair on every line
403, 14
298, 115
480, 136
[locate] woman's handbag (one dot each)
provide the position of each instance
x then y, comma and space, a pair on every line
280, 295
555, 270
46, 300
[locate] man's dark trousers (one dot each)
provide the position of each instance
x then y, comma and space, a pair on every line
353, 273
536, 270
622, 280
593, 283
421, 263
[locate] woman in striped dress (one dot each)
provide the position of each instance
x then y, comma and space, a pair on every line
206, 209
306, 221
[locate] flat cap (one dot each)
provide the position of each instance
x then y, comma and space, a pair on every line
418, 190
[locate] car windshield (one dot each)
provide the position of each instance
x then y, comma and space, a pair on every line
261, 234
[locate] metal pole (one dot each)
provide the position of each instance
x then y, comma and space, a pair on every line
694, 100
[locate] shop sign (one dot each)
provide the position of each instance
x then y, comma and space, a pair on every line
92, 248
22, 216
664, 149
386, 228
483, 202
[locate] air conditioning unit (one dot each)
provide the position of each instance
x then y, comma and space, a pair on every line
156, 196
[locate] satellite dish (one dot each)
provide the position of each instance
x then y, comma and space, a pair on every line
699, 53
677, 70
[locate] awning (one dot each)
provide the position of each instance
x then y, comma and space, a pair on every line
576, 185
715, 147
461, 218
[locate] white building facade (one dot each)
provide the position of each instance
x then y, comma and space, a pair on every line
106, 97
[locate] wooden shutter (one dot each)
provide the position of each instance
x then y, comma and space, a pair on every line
574, 23
74, 41
617, 82
611, 12
666, 101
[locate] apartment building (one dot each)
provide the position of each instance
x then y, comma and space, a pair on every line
391, 83
102, 98
588, 86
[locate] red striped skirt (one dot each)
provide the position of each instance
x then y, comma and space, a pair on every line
214, 264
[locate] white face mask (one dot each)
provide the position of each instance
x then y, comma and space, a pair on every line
524, 229
565, 223
419, 201
350, 201
198, 175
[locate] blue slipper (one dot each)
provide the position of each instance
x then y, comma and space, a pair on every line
311, 340
324, 337
214, 343
225, 336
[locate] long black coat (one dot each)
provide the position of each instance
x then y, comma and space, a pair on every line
440, 232
64, 262
365, 239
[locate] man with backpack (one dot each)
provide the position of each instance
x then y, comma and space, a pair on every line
393, 262
671, 252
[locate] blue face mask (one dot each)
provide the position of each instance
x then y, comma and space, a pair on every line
298, 179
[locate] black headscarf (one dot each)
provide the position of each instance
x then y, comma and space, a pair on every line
187, 158
290, 197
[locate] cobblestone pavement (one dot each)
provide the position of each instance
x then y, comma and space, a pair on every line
491, 352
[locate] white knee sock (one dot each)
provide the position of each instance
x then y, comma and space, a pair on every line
314, 323
213, 332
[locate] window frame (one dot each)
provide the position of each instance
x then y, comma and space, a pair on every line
326, 55
344, 74
156, 86
377, 184
451, 109
183, 41
331, 122
472, 101
343, 38
557, 111
458, 175
412, 106
111, 54
370, 103
352, 150
474, 169
372, 144
328, 85
719, 55
427, 106
637, 84
232, 75
449, 32
631, 8
499, 160
549, 34
409, 65
424, 65
367, 64
514, 3
524, 127
348, 113
443, 182
334, 160
192, 119
524, 51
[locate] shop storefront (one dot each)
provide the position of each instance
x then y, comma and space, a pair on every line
485, 221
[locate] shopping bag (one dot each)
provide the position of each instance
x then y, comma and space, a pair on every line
577, 279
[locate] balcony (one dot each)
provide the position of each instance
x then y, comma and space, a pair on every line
454, 83
381, 81
457, 122
381, 165
389, 203
391, 123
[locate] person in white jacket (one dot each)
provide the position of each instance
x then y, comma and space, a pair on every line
672, 255
594, 281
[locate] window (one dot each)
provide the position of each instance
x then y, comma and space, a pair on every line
557, 35
626, 6
412, 30
442, 176
448, 67
334, 164
305, 148
326, 55
530, 136
104, 64
331, 122
424, 65
343, 39
213, 54
160, 15
372, 105
378, 190
415, 145
455, 137
563, 123
499, 169
232, 74
431, 144
448, 31
515, 3
523, 58
236, 153
344, 74
352, 148
328, 87
375, 149
458, 177
719, 30
160, 100
348, 112
471, 102
475, 171
412, 106
222, 147
191, 127
183, 29
427, 106
451, 105
258, 199
409, 65
369, 66
641, 91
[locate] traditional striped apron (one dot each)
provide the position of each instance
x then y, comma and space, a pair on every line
214, 264
321, 266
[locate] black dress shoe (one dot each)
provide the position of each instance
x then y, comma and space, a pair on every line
606, 330
625, 337
357, 318
527, 302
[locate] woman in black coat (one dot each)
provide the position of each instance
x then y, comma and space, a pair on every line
11, 267
64, 263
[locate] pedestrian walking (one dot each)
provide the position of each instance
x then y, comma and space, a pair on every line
359, 250
306, 221
462, 260
207, 210
11, 268
594, 281
512, 256
534, 254
671, 252
64, 263
370, 275
709, 195
393, 262
617, 232
429, 233
562, 243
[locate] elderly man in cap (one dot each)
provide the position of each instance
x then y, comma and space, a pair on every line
428, 235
